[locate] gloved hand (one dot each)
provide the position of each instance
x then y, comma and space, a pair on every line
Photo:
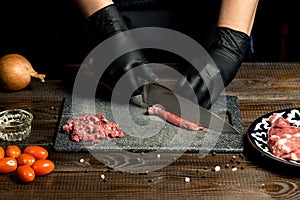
108, 22
228, 50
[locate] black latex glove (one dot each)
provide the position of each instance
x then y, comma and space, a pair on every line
227, 52
108, 22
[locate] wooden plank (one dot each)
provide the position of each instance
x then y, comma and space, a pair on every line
81, 181
260, 87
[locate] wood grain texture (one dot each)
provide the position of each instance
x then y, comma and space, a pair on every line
260, 87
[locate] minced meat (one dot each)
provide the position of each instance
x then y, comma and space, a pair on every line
92, 128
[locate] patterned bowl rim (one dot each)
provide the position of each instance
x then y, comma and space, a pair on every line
267, 151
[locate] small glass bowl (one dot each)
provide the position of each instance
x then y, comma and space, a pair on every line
15, 124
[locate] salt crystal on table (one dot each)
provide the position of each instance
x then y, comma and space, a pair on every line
217, 168
187, 179
234, 169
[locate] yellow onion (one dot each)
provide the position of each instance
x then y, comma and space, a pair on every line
16, 72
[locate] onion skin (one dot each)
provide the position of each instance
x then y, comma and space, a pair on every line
16, 72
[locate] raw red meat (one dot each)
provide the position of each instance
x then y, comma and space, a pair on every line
92, 128
284, 139
174, 119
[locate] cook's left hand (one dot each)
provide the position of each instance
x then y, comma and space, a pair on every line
227, 52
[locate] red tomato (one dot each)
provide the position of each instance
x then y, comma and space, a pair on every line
26, 159
37, 151
26, 173
13, 151
2, 153
42, 167
8, 165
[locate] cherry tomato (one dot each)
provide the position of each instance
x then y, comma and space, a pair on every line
2, 152
37, 151
8, 165
42, 167
26, 173
13, 151
26, 159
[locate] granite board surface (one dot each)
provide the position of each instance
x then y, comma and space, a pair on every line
144, 133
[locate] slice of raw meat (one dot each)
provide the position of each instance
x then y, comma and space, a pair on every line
174, 119
284, 139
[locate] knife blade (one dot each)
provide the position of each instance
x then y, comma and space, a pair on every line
158, 94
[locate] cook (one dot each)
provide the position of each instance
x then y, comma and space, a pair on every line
229, 46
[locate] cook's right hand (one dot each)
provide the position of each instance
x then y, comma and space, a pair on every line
108, 22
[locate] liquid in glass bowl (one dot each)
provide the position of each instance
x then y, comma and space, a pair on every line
15, 124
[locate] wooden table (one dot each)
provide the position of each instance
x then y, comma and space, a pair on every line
260, 88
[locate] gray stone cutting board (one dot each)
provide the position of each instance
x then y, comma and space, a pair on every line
150, 133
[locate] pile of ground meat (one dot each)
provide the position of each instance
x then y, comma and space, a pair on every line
92, 128
284, 139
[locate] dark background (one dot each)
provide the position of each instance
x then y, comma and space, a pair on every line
54, 33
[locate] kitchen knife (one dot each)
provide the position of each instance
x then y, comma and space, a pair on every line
158, 94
